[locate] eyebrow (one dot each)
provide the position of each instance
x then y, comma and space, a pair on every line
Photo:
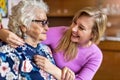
82, 26
37, 20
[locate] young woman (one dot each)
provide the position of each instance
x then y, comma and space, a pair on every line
75, 48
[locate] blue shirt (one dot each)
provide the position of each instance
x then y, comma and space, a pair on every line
18, 64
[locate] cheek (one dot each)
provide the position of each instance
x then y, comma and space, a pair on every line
34, 32
35, 29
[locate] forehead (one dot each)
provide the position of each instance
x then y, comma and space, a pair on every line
87, 21
40, 14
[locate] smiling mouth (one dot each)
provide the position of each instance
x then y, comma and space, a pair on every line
74, 35
44, 33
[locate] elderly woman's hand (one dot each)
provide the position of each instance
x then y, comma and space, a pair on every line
67, 74
12, 39
44, 64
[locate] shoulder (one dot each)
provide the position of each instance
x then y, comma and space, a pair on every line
4, 48
96, 52
93, 52
45, 48
47, 51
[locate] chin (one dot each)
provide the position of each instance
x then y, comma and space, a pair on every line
74, 40
44, 38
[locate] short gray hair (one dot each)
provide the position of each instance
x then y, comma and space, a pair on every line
23, 13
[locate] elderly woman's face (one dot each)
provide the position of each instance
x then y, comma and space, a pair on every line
39, 26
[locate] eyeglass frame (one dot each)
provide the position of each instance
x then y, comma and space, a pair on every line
43, 22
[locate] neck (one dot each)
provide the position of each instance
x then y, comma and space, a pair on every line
88, 44
32, 42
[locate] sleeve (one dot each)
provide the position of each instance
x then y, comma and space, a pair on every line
90, 68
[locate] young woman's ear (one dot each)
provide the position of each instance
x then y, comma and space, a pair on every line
92, 36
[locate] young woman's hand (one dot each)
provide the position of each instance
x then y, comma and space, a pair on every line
67, 74
12, 39
44, 64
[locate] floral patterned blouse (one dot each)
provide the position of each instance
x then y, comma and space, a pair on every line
18, 64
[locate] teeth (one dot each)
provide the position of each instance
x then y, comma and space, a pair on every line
74, 35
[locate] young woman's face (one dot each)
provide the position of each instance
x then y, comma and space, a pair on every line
39, 26
81, 30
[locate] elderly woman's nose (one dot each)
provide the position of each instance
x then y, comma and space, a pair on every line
46, 27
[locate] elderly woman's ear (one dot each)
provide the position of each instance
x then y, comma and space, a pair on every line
23, 29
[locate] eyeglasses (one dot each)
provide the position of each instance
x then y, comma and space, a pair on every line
43, 22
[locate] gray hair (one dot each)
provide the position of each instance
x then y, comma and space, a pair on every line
23, 13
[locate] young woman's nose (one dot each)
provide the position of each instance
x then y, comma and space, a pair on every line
75, 28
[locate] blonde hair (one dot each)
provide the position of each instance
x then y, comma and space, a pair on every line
23, 13
71, 49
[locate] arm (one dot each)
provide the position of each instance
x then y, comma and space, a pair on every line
10, 38
46, 65
90, 68
67, 74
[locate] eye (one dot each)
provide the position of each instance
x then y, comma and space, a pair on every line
74, 22
81, 27
43, 22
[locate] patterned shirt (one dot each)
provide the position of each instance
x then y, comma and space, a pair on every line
18, 64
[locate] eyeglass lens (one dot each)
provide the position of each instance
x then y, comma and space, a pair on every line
43, 22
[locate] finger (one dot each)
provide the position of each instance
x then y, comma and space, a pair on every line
16, 41
39, 57
13, 46
39, 62
68, 75
40, 65
64, 73
72, 75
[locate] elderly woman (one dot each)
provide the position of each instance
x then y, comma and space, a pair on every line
29, 21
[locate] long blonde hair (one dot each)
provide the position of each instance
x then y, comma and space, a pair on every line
70, 48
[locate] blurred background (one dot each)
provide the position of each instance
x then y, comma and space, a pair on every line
61, 13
